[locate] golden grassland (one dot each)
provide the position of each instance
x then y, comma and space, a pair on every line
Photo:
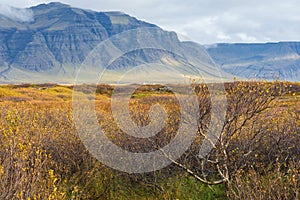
257, 157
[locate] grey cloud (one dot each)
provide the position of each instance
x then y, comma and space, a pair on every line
17, 14
211, 21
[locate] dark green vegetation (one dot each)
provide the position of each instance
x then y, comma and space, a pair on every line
256, 157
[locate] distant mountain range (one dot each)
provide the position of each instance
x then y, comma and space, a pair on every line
60, 39
259, 61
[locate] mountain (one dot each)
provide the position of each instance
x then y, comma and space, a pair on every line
60, 39
263, 61
58, 43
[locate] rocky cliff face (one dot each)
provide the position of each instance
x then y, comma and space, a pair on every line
265, 61
58, 36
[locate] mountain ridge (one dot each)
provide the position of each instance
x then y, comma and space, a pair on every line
58, 35
273, 60
52, 46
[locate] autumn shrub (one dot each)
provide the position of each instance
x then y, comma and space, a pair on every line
256, 156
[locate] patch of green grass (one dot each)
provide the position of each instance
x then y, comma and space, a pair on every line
8, 92
188, 188
140, 95
178, 187
60, 92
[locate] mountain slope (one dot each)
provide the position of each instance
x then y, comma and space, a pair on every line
264, 61
52, 47
60, 39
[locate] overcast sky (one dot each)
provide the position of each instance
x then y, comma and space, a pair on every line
206, 21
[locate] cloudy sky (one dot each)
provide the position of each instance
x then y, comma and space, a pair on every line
206, 21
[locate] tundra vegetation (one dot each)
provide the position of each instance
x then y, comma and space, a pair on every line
257, 155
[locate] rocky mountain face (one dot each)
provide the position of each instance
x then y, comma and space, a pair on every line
60, 39
56, 42
259, 61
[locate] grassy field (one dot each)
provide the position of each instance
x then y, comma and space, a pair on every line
257, 156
